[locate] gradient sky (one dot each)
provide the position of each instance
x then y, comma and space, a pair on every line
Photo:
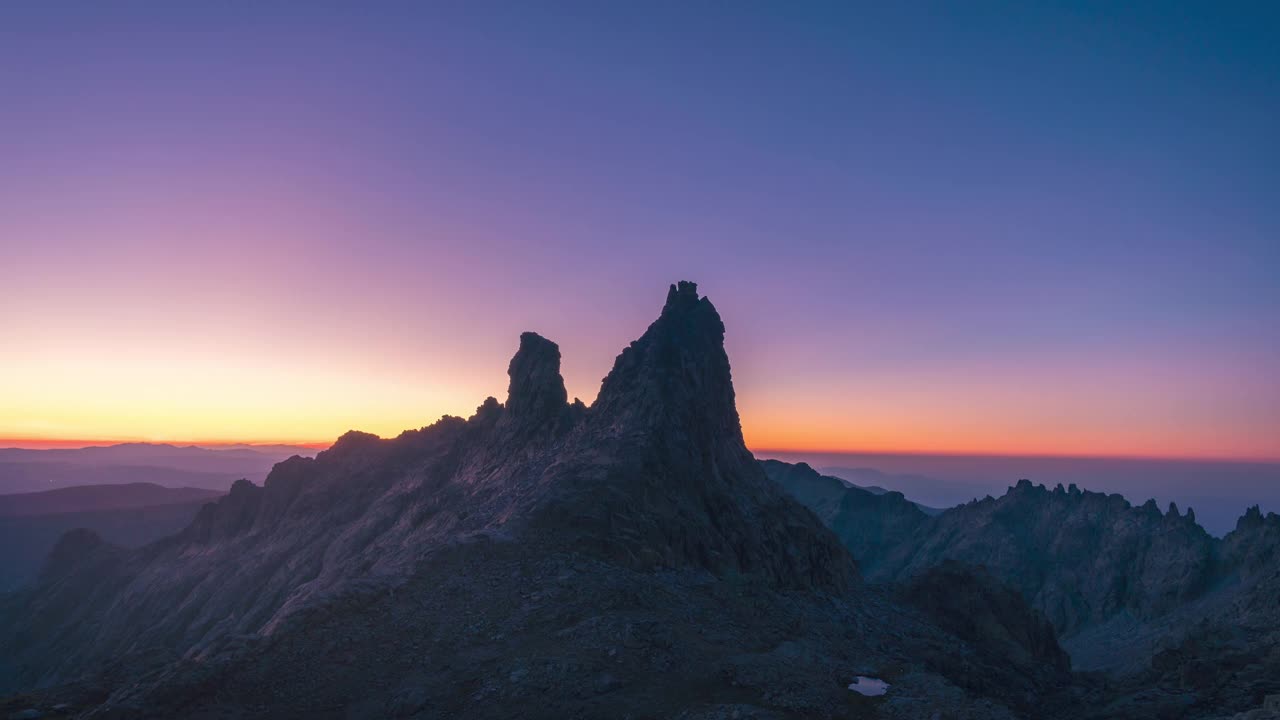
1009, 228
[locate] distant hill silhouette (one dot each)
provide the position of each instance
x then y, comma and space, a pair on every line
99, 497
129, 515
24, 470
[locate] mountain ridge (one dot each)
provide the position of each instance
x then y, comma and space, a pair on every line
651, 487
81, 498
1142, 594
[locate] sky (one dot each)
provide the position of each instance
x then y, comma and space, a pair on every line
1040, 228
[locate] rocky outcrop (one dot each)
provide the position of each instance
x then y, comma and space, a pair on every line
980, 609
1254, 546
536, 398
676, 376
1014, 645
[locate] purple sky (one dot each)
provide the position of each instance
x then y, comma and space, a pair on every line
1012, 229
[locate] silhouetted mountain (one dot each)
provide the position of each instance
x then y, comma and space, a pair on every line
539, 558
99, 497
23, 470
31, 477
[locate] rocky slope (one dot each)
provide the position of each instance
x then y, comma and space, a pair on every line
877, 528
539, 558
1218, 654
1188, 622
1080, 557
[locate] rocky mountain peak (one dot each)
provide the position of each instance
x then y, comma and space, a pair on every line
677, 374
658, 475
536, 390
352, 441
1251, 519
682, 293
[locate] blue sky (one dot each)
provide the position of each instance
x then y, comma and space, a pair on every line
996, 226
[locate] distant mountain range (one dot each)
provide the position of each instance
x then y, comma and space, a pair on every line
874, 482
130, 493
24, 470
1219, 490
98, 497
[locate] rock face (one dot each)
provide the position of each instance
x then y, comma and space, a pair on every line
536, 394
538, 558
997, 622
978, 607
1221, 653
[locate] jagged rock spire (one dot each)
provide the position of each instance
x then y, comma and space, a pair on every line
536, 390
677, 374
658, 475
1252, 518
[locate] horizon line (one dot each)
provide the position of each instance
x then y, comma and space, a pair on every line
1031, 454
33, 443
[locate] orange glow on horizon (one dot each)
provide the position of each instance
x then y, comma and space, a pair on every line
761, 444
828, 441
220, 384
46, 443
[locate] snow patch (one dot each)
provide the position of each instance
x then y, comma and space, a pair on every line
869, 686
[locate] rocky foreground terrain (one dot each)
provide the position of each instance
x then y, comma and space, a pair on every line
631, 559
1181, 623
